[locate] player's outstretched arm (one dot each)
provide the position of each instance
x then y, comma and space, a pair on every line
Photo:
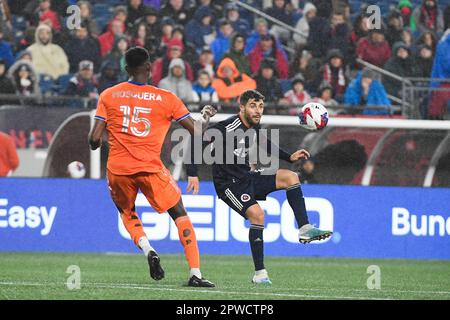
190, 124
299, 154
96, 134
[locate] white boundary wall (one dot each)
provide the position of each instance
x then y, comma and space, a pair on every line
333, 122
350, 122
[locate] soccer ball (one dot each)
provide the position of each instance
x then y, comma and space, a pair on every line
313, 116
76, 170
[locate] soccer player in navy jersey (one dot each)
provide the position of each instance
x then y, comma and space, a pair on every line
239, 185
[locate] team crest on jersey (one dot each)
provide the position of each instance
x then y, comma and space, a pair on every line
245, 197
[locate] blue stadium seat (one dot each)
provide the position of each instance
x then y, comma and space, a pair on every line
101, 9
46, 84
296, 17
286, 85
102, 22
355, 7
63, 82
19, 23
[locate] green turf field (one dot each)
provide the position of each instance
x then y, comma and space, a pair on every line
43, 276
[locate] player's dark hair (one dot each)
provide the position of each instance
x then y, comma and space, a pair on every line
250, 94
136, 57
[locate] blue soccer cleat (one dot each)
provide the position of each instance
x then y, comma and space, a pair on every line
309, 232
261, 277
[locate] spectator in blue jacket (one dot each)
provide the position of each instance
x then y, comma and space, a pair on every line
5, 51
239, 25
202, 90
222, 43
199, 31
365, 90
439, 99
261, 28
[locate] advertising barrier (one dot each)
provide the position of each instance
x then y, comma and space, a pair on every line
64, 215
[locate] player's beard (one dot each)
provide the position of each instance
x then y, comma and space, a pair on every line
252, 120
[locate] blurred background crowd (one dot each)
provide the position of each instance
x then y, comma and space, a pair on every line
212, 50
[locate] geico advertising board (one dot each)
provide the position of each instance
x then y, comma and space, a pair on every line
373, 222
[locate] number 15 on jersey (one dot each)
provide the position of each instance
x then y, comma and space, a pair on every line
131, 121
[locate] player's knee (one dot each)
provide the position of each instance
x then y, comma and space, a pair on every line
291, 178
255, 215
177, 211
258, 219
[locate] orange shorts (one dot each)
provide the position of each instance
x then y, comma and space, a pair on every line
160, 189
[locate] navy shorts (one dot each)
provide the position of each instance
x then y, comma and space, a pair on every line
242, 194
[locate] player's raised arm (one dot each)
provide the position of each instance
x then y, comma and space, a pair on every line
271, 148
190, 124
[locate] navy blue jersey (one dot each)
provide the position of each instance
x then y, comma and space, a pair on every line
238, 147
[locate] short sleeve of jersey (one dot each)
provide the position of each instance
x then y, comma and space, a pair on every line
100, 114
179, 110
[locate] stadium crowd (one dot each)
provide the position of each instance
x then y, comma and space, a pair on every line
211, 50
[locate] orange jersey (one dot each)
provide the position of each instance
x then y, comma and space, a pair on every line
137, 119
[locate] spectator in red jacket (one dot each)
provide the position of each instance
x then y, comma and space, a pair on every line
160, 68
9, 160
46, 14
267, 48
115, 29
374, 48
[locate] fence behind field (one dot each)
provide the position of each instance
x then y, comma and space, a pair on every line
350, 150
419, 98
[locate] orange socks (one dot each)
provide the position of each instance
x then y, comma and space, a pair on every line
185, 231
134, 226
189, 241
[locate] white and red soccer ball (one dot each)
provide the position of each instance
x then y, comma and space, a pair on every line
313, 116
76, 170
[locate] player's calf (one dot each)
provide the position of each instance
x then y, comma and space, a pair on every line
188, 239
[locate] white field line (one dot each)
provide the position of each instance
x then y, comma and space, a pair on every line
158, 285
296, 289
165, 288
210, 291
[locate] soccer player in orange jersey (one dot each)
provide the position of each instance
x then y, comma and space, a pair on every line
137, 117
